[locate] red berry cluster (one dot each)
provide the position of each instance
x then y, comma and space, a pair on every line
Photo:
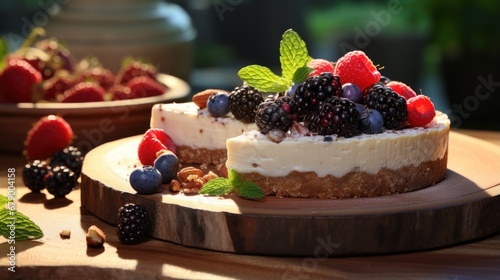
47, 72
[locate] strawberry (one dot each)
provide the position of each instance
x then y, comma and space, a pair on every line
153, 141
84, 92
119, 92
420, 111
145, 87
319, 66
104, 77
402, 89
56, 86
135, 69
17, 81
355, 67
49, 135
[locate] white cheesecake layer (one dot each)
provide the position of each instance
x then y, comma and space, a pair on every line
190, 126
254, 152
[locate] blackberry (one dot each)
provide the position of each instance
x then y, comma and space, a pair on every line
335, 116
33, 175
60, 181
384, 80
133, 224
316, 90
243, 102
279, 114
391, 105
71, 157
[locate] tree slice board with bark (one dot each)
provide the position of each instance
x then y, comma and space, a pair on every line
465, 206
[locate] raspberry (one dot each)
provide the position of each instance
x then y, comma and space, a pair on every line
320, 66
420, 111
355, 67
71, 157
335, 116
135, 69
17, 81
391, 105
153, 141
316, 90
49, 135
401, 89
133, 224
60, 181
243, 102
34, 173
145, 87
84, 92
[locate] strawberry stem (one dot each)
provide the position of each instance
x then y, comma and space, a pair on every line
35, 32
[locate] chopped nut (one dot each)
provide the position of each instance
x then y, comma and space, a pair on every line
174, 186
65, 233
184, 173
209, 176
95, 237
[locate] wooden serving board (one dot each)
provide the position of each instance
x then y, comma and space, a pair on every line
463, 207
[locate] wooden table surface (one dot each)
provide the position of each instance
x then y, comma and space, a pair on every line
54, 258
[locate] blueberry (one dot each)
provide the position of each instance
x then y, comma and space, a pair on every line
291, 90
371, 122
168, 164
352, 92
218, 104
145, 179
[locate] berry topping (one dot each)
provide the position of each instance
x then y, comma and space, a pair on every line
355, 67
401, 89
243, 102
17, 81
420, 111
316, 90
71, 157
49, 135
145, 87
60, 181
352, 92
153, 141
335, 116
133, 224
391, 105
218, 104
168, 164
279, 114
145, 179
320, 66
371, 121
33, 175
84, 92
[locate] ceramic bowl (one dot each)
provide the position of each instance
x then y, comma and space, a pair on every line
93, 123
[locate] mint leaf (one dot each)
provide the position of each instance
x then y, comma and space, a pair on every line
249, 190
263, 79
301, 74
23, 227
217, 186
3, 201
234, 177
293, 54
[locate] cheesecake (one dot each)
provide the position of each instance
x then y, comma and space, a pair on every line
365, 165
200, 138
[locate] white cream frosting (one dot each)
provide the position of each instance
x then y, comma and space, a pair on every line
254, 152
188, 125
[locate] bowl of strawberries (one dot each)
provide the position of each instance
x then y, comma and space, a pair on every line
43, 79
